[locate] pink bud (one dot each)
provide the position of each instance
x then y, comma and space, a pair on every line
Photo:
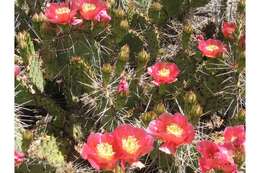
102, 16
76, 21
200, 37
18, 158
122, 86
17, 70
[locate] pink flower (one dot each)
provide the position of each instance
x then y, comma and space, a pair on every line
95, 10
132, 143
211, 48
163, 73
100, 151
173, 130
215, 157
234, 138
59, 13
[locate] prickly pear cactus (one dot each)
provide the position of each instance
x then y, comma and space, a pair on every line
90, 66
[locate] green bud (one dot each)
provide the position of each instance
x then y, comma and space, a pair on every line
242, 113
27, 135
124, 24
188, 28
143, 56
196, 110
148, 116
110, 3
46, 27
35, 18
119, 13
77, 132
124, 53
22, 39
156, 6
241, 6
159, 108
107, 69
240, 118
190, 97
39, 17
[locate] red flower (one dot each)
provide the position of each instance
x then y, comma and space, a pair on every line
92, 9
122, 86
132, 143
228, 29
59, 13
234, 137
17, 70
211, 48
174, 130
215, 157
163, 73
18, 158
76, 4
100, 151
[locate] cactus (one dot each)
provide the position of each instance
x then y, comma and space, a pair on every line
47, 148
94, 75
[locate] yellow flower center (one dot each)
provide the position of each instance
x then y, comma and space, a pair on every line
130, 144
86, 7
105, 150
164, 72
174, 129
62, 10
212, 47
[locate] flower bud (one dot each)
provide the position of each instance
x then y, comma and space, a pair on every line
159, 108
123, 86
124, 24
196, 110
124, 53
143, 56
241, 6
242, 113
107, 69
190, 97
110, 3
27, 135
188, 28
148, 116
35, 18
240, 118
17, 70
18, 158
156, 6
77, 132
22, 39
119, 13
39, 17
